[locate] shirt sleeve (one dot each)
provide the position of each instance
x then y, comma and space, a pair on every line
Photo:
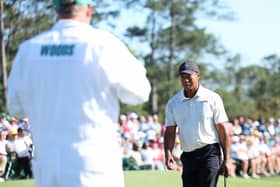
169, 118
14, 104
126, 74
220, 115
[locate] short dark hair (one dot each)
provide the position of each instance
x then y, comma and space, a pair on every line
20, 130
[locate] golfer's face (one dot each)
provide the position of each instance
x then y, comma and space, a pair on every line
190, 81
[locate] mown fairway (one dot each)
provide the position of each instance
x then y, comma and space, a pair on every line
166, 179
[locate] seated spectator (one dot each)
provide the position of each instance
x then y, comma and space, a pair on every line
136, 154
254, 156
177, 151
152, 155
274, 162
236, 128
239, 153
265, 156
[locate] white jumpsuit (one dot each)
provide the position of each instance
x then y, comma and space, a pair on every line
68, 81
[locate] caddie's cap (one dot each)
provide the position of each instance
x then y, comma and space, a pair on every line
59, 3
189, 67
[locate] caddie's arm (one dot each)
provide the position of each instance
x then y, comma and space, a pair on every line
169, 142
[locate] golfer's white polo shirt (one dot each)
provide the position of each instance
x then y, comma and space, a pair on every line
196, 117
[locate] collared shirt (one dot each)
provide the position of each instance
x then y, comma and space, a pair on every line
196, 117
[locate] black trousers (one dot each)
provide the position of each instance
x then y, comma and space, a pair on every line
201, 167
23, 163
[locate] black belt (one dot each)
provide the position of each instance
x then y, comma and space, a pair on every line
199, 151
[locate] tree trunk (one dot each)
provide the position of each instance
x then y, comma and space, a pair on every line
154, 91
3, 56
172, 44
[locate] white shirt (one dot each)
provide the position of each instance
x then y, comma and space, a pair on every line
196, 117
68, 81
22, 147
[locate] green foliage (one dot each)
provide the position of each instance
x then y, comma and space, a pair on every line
172, 36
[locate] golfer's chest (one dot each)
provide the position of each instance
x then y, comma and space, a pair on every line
192, 111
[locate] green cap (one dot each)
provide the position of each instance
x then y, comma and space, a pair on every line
59, 3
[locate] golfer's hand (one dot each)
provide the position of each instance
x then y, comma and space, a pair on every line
227, 167
170, 163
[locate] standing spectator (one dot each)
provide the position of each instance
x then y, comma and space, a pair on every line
4, 124
68, 81
202, 121
13, 127
23, 148
25, 125
3, 154
11, 155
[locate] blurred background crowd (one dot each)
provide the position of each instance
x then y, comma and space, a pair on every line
255, 147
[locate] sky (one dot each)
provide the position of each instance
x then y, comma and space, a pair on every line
254, 34
256, 31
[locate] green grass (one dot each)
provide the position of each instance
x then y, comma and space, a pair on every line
166, 179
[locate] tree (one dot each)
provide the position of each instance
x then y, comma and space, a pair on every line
174, 37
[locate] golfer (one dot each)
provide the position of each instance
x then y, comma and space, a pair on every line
201, 119
68, 81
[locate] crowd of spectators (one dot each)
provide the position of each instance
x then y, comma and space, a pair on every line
255, 148
16, 148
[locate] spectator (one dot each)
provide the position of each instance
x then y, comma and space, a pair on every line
236, 128
4, 124
144, 126
245, 125
239, 153
157, 125
265, 156
133, 124
136, 154
11, 155
23, 148
3, 154
13, 124
177, 151
254, 156
123, 124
